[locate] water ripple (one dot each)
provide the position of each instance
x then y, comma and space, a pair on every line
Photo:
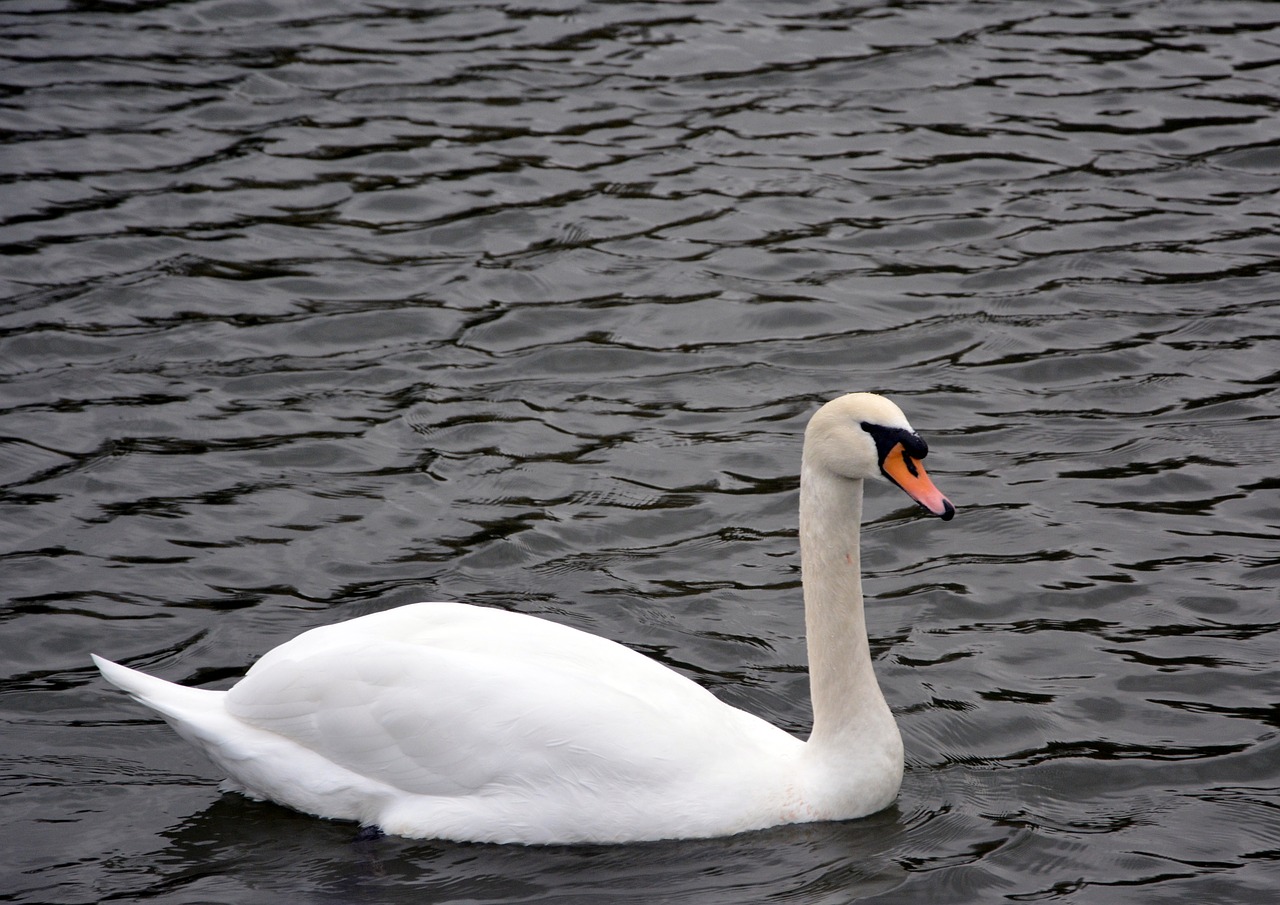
308, 310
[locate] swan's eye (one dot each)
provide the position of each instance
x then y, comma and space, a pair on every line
886, 438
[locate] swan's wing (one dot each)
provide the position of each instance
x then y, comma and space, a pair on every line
453, 700
465, 628
527, 643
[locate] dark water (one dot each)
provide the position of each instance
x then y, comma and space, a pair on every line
313, 309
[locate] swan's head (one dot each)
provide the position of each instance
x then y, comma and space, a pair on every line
862, 435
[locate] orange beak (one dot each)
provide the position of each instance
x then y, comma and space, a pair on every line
909, 474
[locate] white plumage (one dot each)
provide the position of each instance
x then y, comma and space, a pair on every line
452, 721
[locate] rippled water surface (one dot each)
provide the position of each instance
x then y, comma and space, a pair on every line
313, 309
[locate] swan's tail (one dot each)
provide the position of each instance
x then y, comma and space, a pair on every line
183, 708
257, 762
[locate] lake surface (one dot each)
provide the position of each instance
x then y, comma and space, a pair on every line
313, 309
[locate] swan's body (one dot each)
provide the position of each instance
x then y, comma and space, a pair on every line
452, 721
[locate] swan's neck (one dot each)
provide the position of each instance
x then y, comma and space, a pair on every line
848, 708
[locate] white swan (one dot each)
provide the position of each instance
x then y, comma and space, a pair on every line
450, 721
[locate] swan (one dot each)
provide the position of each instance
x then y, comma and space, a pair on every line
451, 721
